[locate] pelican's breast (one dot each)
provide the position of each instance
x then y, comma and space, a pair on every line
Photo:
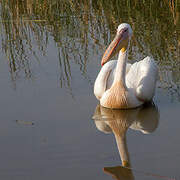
119, 98
115, 97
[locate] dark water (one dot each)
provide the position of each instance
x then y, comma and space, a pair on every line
50, 56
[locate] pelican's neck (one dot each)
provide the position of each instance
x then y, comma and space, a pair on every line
121, 68
123, 150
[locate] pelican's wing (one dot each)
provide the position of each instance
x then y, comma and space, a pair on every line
102, 78
142, 77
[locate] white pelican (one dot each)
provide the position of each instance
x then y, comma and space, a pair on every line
120, 85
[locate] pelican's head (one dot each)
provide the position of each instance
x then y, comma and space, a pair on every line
120, 42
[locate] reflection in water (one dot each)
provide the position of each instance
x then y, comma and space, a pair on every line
144, 119
28, 26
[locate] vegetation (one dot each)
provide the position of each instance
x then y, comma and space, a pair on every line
78, 26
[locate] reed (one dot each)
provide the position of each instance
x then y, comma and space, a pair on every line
78, 26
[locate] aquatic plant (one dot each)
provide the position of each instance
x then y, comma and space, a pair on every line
78, 26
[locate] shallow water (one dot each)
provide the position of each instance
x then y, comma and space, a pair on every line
50, 56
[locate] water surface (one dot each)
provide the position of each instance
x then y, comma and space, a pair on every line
50, 56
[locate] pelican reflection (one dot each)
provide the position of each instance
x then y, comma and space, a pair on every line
144, 119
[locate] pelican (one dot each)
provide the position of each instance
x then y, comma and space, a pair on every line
120, 85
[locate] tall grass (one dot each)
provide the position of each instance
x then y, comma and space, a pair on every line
27, 25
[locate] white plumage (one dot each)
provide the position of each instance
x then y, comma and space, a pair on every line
138, 80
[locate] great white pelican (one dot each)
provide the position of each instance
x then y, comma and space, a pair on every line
120, 85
